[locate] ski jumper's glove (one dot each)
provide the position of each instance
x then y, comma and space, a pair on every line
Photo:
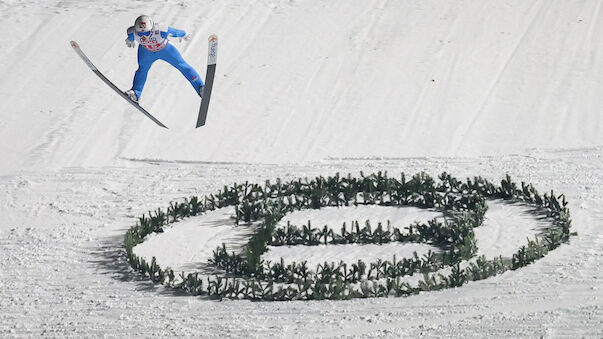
184, 38
130, 43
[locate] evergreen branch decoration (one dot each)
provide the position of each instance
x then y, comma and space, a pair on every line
246, 275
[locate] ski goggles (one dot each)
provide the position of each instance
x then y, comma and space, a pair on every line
143, 33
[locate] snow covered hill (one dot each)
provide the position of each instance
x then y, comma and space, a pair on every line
304, 81
303, 88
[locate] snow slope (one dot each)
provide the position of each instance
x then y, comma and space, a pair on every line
303, 88
304, 81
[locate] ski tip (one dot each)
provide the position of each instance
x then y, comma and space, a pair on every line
159, 123
74, 44
213, 38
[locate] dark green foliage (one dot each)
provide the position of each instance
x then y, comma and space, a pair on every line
528, 254
456, 278
483, 268
430, 283
553, 239
194, 206
400, 288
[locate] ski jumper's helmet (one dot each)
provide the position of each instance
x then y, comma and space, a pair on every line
143, 24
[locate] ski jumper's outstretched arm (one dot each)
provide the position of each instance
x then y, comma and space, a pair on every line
177, 33
130, 41
130, 33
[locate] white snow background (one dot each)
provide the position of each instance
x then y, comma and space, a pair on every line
302, 88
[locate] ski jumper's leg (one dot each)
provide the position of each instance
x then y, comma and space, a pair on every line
145, 60
171, 55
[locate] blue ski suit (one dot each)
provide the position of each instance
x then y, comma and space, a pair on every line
155, 45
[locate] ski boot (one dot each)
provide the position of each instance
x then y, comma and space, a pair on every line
132, 95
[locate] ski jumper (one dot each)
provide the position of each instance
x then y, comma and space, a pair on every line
155, 45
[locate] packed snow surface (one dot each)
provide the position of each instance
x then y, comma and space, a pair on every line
189, 245
303, 88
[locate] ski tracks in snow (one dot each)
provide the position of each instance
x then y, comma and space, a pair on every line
536, 9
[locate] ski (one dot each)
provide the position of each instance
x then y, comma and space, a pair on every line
78, 50
212, 54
